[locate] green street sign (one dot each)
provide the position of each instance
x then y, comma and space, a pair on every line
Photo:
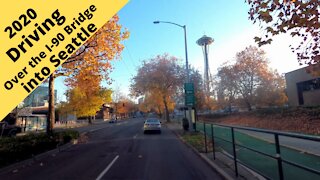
188, 88
189, 94
189, 100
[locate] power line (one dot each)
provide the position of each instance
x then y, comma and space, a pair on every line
130, 56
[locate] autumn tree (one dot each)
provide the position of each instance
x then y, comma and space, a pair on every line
117, 96
249, 78
271, 92
227, 86
251, 68
97, 52
153, 101
161, 75
125, 106
86, 96
300, 18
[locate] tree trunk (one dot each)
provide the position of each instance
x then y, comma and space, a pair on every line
248, 105
160, 112
166, 109
90, 120
51, 114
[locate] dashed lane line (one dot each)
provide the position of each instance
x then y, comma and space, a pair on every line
107, 168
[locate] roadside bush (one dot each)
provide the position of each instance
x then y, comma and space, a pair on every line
66, 136
14, 149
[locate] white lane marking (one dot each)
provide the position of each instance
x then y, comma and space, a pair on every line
107, 168
135, 136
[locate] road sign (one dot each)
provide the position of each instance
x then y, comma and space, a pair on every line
189, 88
189, 94
189, 100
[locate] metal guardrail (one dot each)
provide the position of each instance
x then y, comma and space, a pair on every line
276, 157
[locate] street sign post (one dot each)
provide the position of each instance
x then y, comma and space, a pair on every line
190, 102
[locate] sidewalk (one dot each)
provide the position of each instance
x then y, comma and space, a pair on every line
222, 164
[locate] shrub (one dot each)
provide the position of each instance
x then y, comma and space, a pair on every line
14, 149
66, 136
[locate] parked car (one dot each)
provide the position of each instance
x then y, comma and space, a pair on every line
9, 130
152, 125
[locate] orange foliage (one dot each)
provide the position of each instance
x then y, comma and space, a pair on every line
91, 64
94, 57
159, 78
251, 81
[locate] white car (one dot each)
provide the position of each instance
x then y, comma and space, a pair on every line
153, 125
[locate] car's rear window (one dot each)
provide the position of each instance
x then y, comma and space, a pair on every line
152, 120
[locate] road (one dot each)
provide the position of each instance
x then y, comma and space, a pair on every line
120, 151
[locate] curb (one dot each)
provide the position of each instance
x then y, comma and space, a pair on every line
36, 158
203, 157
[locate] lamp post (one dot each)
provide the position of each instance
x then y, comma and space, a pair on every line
185, 43
187, 63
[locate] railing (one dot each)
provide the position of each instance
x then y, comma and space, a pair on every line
264, 155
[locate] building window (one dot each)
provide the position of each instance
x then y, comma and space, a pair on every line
309, 85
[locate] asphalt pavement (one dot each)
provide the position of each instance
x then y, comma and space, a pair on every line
120, 151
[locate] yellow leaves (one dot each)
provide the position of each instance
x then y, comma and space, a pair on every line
154, 100
86, 102
90, 65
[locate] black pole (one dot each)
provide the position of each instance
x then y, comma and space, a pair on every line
278, 155
234, 152
212, 141
205, 137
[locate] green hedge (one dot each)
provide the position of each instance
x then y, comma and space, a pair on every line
19, 148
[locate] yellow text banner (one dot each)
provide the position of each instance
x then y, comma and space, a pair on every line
37, 36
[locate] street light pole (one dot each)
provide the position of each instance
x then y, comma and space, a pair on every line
185, 43
186, 49
187, 63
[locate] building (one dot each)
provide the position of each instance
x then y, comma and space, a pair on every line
302, 88
39, 97
33, 115
105, 112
